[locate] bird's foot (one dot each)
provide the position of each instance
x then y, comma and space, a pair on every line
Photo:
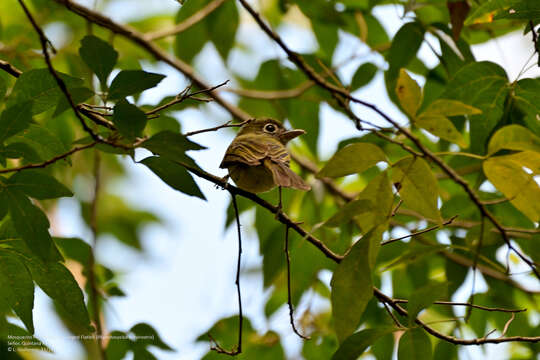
224, 183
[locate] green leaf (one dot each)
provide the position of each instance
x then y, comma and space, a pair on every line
75, 249
147, 335
352, 285
129, 119
99, 55
522, 9
379, 192
513, 137
17, 288
327, 37
518, 186
130, 82
357, 343
40, 87
527, 99
351, 159
31, 224
404, 46
414, 345
419, 190
58, 282
41, 142
424, 297
222, 26
188, 43
446, 107
349, 211
38, 184
484, 12
118, 345
442, 127
363, 75
445, 350
14, 120
434, 119
78, 95
483, 85
172, 146
174, 175
408, 93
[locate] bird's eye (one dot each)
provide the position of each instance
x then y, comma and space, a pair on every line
270, 128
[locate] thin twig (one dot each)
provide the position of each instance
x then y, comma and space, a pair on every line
451, 303
394, 318
238, 349
447, 222
50, 161
186, 24
10, 69
61, 84
94, 293
289, 300
274, 94
505, 329
138, 38
184, 95
451, 339
215, 128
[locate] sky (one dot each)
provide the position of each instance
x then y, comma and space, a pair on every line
184, 281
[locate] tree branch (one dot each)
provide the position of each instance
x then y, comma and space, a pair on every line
44, 43
451, 339
184, 95
10, 69
50, 161
450, 303
447, 222
94, 293
289, 300
138, 38
186, 24
238, 349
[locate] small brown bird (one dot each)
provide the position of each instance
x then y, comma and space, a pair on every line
258, 160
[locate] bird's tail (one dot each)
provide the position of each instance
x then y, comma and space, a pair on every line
284, 176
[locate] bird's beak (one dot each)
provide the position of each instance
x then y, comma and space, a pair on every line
287, 136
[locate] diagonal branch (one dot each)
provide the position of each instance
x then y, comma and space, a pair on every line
10, 69
138, 38
50, 161
186, 24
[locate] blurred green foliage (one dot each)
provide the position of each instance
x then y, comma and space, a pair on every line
482, 125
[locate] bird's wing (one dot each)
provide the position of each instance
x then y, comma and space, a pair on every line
253, 150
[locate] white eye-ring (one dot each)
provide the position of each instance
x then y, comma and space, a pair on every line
271, 128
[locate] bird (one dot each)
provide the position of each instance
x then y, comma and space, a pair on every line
257, 159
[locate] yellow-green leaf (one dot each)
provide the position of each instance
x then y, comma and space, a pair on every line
448, 107
529, 159
442, 127
518, 186
513, 137
409, 93
352, 159
419, 190
379, 192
